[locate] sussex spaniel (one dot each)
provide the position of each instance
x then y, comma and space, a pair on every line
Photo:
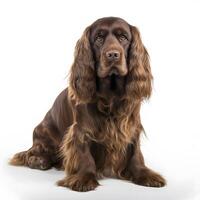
93, 128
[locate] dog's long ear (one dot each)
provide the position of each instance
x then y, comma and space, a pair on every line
82, 78
139, 79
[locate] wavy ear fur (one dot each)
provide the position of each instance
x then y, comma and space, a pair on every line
139, 79
82, 78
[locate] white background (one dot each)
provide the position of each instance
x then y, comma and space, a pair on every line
37, 40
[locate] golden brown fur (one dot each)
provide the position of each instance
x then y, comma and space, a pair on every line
95, 123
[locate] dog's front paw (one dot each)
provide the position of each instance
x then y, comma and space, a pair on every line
81, 183
149, 178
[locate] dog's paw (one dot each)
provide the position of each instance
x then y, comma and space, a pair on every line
80, 183
38, 162
149, 178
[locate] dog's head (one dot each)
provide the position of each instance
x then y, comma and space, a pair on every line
111, 54
110, 40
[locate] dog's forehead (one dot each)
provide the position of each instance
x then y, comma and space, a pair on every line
108, 22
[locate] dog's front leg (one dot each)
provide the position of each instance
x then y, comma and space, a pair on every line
78, 162
140, 174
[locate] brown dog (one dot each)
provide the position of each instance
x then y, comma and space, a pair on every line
95, 122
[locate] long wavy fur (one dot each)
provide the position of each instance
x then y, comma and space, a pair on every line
117, 132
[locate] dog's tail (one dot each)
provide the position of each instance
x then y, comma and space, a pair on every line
18, 159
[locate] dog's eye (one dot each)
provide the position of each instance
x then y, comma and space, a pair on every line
99, 39
122, 38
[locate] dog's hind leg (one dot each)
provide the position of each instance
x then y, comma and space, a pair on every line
44, 152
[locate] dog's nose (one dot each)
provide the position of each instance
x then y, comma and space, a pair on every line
113, 55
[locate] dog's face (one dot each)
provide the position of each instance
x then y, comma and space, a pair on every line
110, 59
110, 39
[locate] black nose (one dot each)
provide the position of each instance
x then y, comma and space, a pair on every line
113, 55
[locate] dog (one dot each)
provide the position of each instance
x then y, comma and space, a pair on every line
93, 128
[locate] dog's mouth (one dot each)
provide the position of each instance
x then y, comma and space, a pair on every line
113, 71
111, 81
